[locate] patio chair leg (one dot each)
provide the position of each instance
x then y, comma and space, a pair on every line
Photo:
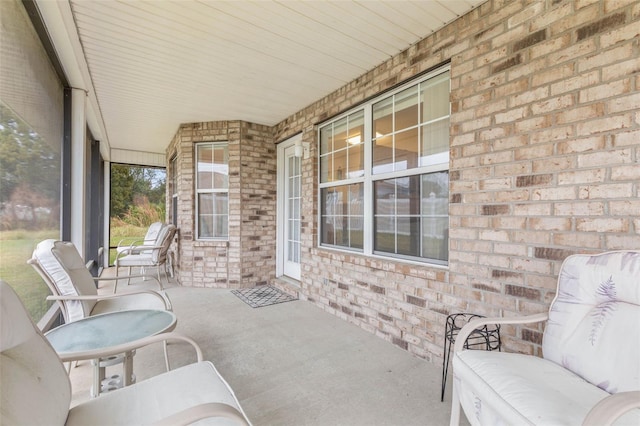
166, 355
129, 274
159, 279
455, 407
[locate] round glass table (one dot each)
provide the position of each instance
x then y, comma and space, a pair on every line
74, 339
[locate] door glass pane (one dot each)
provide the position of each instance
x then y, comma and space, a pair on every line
294, 200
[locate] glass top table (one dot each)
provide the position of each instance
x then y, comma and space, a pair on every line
108, 330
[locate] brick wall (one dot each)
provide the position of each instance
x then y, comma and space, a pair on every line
545, 162
248, 258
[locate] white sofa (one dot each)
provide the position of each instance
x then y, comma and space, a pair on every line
590, 370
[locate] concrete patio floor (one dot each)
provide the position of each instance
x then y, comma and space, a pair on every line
294, 364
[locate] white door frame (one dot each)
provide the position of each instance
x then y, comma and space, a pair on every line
281, 228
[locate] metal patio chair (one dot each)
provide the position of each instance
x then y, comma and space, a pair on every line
151, 256
139, 245
36, 388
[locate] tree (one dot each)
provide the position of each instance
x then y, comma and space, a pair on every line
122, 182
29, 167
131, 185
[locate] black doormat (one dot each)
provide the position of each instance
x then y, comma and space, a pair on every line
262, 296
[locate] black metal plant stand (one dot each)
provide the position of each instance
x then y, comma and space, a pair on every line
486, 337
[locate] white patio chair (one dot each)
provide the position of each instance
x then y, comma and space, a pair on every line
138, 245
152, 256
36, 389
74, 289
589, 373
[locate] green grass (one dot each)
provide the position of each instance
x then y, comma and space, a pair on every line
16, 248
128, 233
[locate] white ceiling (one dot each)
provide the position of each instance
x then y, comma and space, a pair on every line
156, 64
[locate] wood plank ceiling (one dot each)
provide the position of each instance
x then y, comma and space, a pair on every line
156, 64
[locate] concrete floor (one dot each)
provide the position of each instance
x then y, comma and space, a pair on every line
294, 364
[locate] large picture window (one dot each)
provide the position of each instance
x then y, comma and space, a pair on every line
212, 184
383, 175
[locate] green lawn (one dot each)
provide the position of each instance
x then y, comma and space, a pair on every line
127, 234
16, 248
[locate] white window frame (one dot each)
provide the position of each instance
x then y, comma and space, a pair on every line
199, 191
369, 178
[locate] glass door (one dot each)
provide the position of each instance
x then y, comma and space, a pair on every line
289, 212
293, 205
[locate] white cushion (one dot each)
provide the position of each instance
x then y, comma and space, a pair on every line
129, 301
515, 389
149, 239
158, 397
596, 316
139, 259
34, 387
62, 263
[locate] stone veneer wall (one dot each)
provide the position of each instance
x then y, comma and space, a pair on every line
248, 258
545, 153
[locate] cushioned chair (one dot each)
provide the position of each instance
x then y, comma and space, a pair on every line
36, 389
73, 287
139, 245
590, 370
152, 256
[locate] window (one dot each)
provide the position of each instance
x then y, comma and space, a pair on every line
212, 185
384, 179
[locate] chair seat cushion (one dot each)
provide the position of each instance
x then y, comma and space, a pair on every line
128, 302
153, 399
142, 259
507, 388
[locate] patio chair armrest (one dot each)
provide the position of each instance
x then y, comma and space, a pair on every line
127, 347
203, 411
605, 412
122, 277
131, 249
129, 242
98, 297
475, 323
